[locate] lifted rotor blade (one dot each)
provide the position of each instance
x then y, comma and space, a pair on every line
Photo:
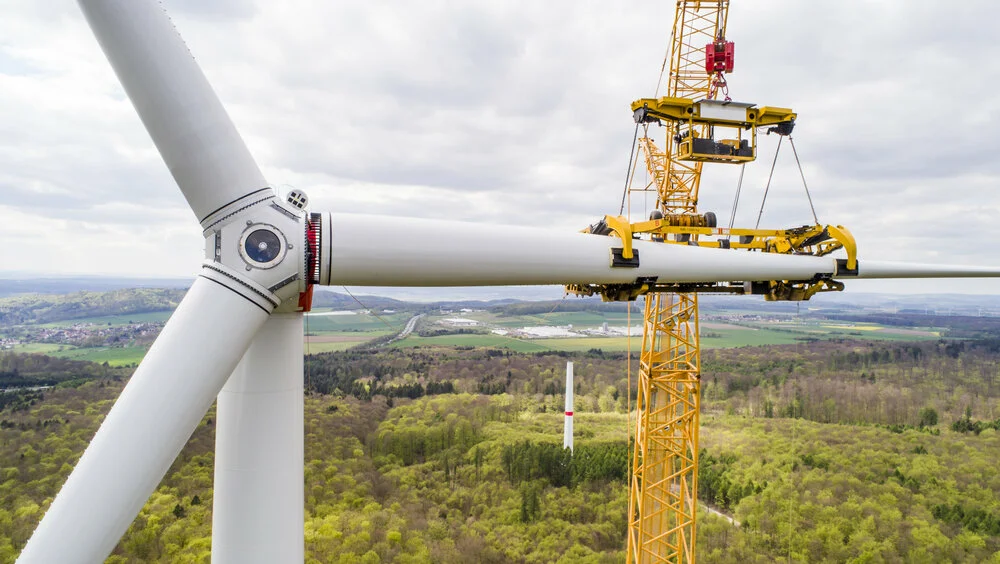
181, 112
153, 418
371, 250
886, 269
368, 250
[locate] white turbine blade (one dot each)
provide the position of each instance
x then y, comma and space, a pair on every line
181, 112
149, 424
886, 269
368, 250
371, 250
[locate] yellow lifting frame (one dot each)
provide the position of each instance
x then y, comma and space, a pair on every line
817, 240
694, 125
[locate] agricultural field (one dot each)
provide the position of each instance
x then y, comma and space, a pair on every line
474, 340
318, 343
582, 331
114, 320
114, 356
42, 348
319, 322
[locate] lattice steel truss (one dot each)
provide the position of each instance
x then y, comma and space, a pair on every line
664, 483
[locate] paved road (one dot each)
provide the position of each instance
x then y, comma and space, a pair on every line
410, 326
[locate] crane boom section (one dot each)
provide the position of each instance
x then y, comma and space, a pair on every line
663, 486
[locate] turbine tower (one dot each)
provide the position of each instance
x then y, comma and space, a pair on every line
237, 334
568, 421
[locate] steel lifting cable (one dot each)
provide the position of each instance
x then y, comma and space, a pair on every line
796, 153
363, 306
663, 68
736, 200
628, 171
768, 187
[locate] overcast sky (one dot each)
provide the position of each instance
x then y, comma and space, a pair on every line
505, 112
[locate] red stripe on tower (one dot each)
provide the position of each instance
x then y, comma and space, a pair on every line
569, 414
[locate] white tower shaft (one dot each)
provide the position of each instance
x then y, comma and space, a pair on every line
258, 512
568, 425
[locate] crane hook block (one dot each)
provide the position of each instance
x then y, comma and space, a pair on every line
719, 56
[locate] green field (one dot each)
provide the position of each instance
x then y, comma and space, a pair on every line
717, 337
114, 356
320, 348
583, 344
122, 356
499, 341
729, 338
340, 340
126, 319
316, 324
833, 330
43, 348
574, 318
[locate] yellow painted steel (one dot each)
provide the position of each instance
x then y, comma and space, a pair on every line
695, 125
664, 483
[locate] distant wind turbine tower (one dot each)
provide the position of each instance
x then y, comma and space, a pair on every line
568, 425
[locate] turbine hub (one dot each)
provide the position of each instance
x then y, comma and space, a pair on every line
259, 246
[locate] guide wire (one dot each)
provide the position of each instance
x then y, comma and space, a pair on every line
558, 303
364, 307
629, 171
736, 200
663, 68
769, 177
802, 174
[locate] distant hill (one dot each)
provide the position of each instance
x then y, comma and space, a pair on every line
11, 285
47, 308
40, 300
323, 298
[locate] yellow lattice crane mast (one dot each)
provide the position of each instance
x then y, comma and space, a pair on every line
663, 488
699, 129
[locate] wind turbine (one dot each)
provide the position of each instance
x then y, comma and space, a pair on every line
237, 334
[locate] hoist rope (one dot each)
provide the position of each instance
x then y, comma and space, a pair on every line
628, 171
736, 200
769, 176
663, 69
796, 153
366, 308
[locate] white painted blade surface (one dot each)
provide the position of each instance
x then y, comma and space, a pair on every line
369, 250
885, 269
153, 418
181, 112
258, 509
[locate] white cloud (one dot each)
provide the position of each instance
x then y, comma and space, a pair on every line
513, 112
